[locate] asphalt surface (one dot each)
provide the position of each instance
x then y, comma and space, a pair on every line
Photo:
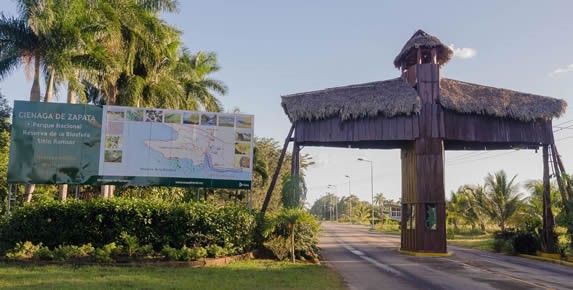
369, 260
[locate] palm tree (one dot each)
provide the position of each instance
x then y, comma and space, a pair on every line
292, 218
380, 201
501, 200
199, 89
19, 44
293, 190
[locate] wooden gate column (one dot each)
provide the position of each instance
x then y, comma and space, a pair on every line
423, 196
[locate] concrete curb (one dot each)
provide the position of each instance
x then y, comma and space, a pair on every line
425, 254
560, 262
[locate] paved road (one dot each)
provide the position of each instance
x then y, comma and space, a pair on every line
370, 260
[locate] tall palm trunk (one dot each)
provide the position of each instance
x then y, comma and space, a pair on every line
34, 97
50, 88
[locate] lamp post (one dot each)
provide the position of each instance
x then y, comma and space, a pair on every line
335, 201
371, 188
349, 197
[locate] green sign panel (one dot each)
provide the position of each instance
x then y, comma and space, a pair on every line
54, 143
84, 144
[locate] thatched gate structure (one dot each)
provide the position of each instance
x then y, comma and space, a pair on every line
422, 114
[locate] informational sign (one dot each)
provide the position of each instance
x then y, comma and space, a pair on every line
176, 148
129, 146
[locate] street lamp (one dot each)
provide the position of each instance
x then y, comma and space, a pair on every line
335, 201
349, 197
371, 188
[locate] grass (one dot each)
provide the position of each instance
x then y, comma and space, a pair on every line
392, 229
481, 243
253, 274
471, 238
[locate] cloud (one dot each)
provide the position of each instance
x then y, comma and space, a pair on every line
560, 70
464, 52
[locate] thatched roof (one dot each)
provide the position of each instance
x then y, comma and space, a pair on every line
408, 54
388, 98
470, 98
396, 97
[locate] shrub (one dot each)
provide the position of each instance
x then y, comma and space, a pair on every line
526, 243
68, 252
279, 246
504, 241
295, 221
23, 250
105, 254
146, 250
215, 251
199, 253
170, 254
130, 243
450, 233
44, 254
129, 222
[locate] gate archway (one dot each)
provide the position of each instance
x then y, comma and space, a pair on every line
422, 114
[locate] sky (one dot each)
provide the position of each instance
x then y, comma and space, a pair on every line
272, 48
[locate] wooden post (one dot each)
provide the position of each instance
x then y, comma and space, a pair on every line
419, 56
295, 161
548, 220
560, 183
434, 55
562, 169
277, 171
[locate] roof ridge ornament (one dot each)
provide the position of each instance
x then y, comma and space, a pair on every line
424, 42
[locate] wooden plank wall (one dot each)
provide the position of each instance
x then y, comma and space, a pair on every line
368, 129
480, 128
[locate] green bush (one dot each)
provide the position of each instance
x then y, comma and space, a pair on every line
450, 233
68, 252
305, 227
183, 254
526, 243
504, 241
44, 254
129, 222
170, 254
279, 246
23, 250
215, 251
105, 254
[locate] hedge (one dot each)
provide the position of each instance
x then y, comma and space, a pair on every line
154, 222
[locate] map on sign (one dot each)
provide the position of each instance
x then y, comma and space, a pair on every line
174, 146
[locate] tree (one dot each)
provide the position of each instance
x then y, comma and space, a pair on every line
292, 218
19, 45
380, 201
501, 200
293, 191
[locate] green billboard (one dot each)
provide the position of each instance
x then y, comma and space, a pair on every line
54, 143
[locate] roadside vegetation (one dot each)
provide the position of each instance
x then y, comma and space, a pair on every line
123, 53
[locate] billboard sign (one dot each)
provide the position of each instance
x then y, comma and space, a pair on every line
129, 146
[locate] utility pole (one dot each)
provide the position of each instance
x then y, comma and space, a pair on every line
349, 197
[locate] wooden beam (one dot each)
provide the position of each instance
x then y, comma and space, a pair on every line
548, 221
419, 56
434, 55
295, 161
277, 171
562, 169
560, 182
